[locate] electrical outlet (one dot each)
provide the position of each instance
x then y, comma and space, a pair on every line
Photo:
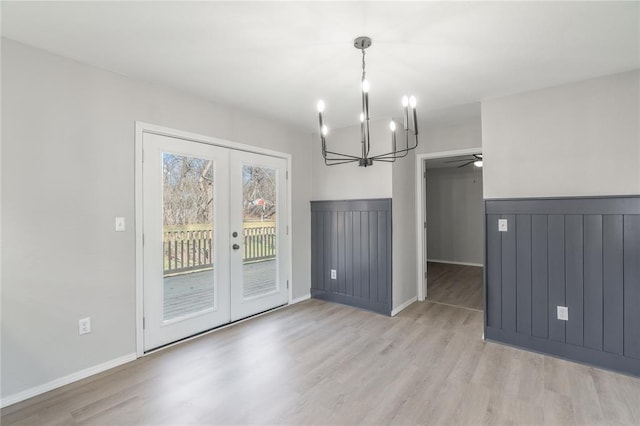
503, 225
334, 274
563, 313
84, 326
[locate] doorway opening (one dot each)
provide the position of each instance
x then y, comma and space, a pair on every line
451, 250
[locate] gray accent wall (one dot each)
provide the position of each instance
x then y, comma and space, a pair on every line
583, 253
455, 212
354, 238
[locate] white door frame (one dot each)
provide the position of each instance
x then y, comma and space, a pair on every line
140, 129
421, 242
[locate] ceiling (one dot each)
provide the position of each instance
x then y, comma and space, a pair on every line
276, 59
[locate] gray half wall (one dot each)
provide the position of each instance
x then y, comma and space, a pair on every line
354, 238
583, 253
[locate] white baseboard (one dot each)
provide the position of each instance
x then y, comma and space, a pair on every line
455, 263
406, 304
73, 377
300, 299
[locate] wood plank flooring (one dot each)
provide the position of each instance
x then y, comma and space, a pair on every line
457, 285
322, 363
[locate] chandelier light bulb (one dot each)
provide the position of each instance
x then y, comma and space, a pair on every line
320, 106
325, 130
365, 86
478, 163
392, 126
412, 101
362, 117
405, 101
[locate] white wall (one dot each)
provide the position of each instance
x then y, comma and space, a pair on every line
404, 230
464, 134
349, 181
572, 140
455, 214
67, 171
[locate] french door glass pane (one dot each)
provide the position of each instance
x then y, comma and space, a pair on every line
187, 203
259, 267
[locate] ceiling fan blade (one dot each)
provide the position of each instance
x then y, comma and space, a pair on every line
467, 163
456, 161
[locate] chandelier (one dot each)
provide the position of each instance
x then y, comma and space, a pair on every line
331, 158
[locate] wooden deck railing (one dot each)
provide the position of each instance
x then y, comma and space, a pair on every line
192, 250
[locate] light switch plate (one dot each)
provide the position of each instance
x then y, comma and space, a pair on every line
120, 224
563, 313
333, 274
502, 225
84, 326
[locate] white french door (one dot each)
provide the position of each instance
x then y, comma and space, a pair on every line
258, 212
213, 236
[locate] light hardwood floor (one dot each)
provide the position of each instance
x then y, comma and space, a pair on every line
323, 363
458, 285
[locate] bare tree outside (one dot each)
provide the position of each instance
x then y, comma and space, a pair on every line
188, 191
259, 193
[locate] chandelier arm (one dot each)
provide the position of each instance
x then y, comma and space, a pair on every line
390, 159
397, 154
386, 159
390, 155
340, 160
335, 163
345, 156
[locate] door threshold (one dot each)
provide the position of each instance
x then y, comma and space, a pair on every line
212, 330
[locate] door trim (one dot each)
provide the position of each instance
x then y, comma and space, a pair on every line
421, 212
140, 129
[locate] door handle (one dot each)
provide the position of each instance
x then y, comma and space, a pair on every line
235, 247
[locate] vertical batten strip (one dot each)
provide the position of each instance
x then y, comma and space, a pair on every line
509, 274
613, 269
539, 276
523, 271
556, 253
632, 286
574, 288
593, 319
494, 270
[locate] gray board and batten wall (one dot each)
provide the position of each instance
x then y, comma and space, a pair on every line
582, 253
352, 237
